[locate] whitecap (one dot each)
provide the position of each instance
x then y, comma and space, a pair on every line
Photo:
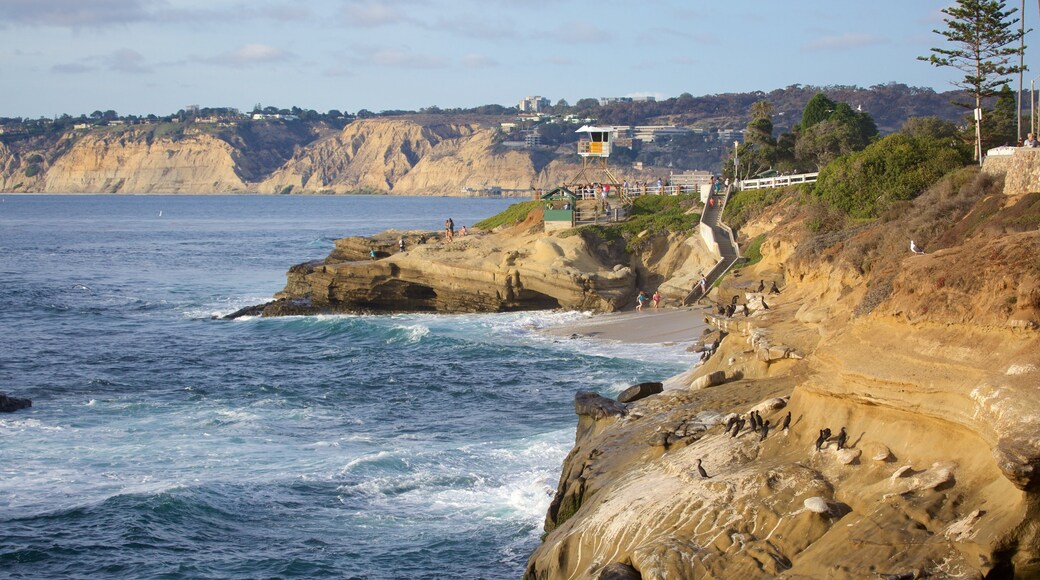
412, 333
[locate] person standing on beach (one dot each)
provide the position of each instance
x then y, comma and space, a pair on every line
640, 301
400, 244
449, 229
656, 298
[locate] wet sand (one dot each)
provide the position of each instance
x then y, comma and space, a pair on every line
651, 326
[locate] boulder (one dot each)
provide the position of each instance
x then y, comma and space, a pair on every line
12, 404
709, 380
847, 456
817, 505
595, 406
640, 391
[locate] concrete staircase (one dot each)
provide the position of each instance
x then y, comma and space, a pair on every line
719, 238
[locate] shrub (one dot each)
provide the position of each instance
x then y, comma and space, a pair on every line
745, 205
35, 158
32, 170
898, 167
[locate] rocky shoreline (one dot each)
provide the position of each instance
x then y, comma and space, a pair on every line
514, 268
926, 367
932, 395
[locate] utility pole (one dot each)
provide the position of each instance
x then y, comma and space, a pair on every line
1021, 57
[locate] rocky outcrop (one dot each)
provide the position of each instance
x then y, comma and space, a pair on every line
930, 364
12, 404
517, 269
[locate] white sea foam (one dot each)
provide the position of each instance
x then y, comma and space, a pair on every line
28, 425
412, 333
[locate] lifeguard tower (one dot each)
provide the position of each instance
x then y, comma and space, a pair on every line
588, 198
594, 148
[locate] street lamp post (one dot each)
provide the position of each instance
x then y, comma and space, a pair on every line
1032, 107
736, 163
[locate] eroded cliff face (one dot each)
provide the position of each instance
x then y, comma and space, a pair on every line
387, 155
134, 162
518, 268
931, 365
404, 157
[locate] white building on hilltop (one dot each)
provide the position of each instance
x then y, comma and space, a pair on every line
533, 104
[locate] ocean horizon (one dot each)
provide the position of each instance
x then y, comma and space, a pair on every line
164, 442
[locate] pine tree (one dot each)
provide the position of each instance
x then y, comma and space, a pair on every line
981, 37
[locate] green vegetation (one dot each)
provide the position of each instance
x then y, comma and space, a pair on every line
172, 131
753, 251
35, 158
897, 168
745, 205
651, 214
32, 170
512, 215
982, 40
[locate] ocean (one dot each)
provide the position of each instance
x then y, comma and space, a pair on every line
164, 443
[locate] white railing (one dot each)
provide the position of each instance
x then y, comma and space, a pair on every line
779, 181
654, 189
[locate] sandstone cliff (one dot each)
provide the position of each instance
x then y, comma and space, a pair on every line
397, 155
515, 268
134, 162
931, 365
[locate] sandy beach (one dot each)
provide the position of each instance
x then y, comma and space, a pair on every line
651, 326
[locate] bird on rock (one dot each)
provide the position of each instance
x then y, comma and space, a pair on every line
787, 422
765, 431
700, 470
842, 438
821, 439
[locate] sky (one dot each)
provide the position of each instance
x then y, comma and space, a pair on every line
160, 56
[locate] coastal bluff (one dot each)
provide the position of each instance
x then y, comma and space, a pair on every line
924, 369
519, 267
397, 156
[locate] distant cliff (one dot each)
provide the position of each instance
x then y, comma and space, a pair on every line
396, 156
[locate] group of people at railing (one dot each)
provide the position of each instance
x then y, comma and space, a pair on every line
594, 190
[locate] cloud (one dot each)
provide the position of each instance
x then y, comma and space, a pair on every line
473, 26
249, 55
580, 32
842, 42
478, 61
396, 58
373, 13
72, 68
72, 13
124, 60
105, 13
127, 61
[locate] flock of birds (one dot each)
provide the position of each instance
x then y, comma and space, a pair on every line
736, 424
